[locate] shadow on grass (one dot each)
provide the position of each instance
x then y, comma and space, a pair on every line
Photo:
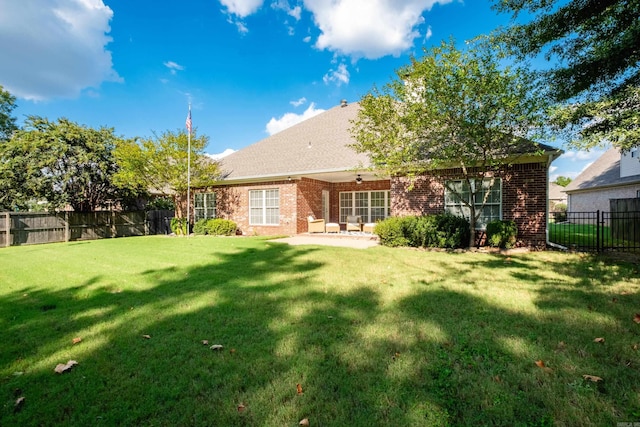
434, 357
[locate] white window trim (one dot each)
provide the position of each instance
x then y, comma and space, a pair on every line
263, 207
353, 208
204, 208
460, 204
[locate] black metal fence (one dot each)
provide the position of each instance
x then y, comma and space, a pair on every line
596, 231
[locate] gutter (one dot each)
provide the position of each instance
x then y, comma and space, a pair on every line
546, 231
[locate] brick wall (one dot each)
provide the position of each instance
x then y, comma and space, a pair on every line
524, 198
232, 202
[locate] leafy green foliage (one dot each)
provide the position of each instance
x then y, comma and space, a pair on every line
215, 227
62, 163
502, 234
452, 109
429, 231
161, 203
179, 226
160, 164
392, 231
7, 121
563, 181
597, 79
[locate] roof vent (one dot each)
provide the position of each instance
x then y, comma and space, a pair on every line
343, 103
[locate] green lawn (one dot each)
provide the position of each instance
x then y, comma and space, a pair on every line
374, 337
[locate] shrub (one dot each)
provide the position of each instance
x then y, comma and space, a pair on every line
434, 231
221, 227
502, 234
453, 231
215, 227
391, 231
200, 227
179, 226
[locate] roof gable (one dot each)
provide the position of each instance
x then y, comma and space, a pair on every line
604, 172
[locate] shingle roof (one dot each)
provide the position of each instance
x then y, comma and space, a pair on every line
556, 192
318, 144
604, 172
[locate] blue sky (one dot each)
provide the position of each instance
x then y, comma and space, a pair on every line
249, 67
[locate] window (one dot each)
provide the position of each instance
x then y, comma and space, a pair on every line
264, 207
205, 206
370, 205
492, 209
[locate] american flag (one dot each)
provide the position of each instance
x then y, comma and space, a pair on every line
188, 122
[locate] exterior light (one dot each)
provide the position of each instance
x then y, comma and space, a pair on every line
359, 180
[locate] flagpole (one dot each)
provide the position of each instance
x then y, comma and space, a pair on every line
188, 167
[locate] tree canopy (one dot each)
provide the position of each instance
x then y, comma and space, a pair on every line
160, 164
61, 163
563, 181
451, 109
7, 121
597, 77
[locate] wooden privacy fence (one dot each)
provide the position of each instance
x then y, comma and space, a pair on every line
28, 228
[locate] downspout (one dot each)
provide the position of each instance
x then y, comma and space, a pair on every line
548, 242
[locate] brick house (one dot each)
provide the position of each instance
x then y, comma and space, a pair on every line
274, 185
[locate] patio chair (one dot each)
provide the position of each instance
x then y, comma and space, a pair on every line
315, 225
354, 223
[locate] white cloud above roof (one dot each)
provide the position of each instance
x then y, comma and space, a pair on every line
241, 8
582, 155
289, 119
338, 76
369, 29
57, 47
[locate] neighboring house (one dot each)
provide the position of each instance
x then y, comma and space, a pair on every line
272, 186
611, 176
557, 196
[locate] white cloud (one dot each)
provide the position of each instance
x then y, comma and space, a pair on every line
219, 156
307, 39
289, 119
580, 156
173, 66
339, 76
284, 5
241, 8
370, 29
299, 102
57, 48
429, 33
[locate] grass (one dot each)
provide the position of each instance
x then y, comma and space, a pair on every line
374, 337
585, 236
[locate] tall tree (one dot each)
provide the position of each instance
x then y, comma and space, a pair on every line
7, 121
160, 164
596, 45
62, 163
451, 109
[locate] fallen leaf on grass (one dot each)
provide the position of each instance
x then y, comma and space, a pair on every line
205, 342
592, 378
635, 346
232, 351
241, 407
64, 367
216, 347
636, 318
497, 379
147, 337
18, 405
614, 299
304, 422
299, 388
540, 364
599, 339
561, 345
76, 340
